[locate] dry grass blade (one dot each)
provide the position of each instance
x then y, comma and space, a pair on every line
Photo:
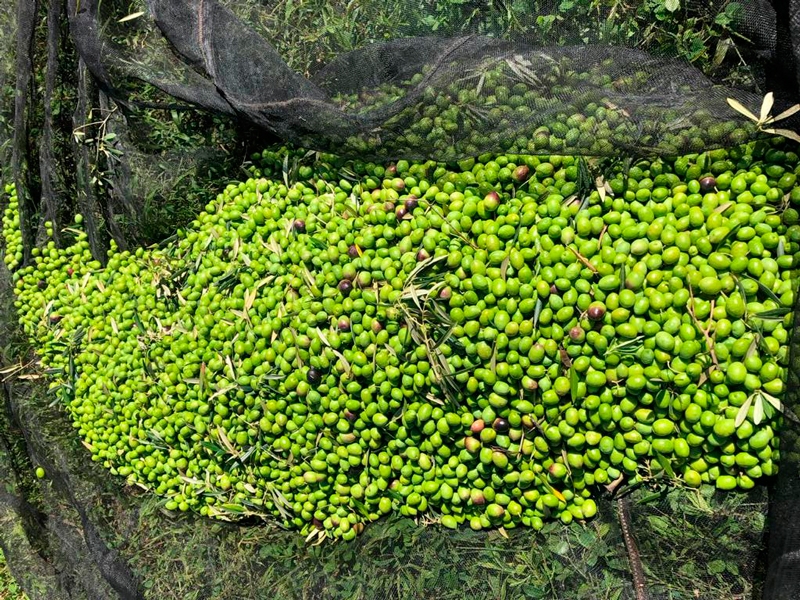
524, 74
131, 17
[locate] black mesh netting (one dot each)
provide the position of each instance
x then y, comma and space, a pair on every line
135, 114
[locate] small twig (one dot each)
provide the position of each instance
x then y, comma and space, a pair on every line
584, 260
637, 571
614, 484
706, 331
602, 233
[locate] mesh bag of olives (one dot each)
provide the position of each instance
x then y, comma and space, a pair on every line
400, 300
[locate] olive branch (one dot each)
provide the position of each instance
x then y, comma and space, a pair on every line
764, 119
759, 400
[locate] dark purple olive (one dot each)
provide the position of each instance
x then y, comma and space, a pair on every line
391, 170
388, 206
299, 225
314, 376
317, 523
411, 203
344, 324
521, 174
554, 290
41, 284
70, 271
352, 251
708, 184
422, 254
345, 286
55, 319
596, 312
401, 212
501, 425
349, 415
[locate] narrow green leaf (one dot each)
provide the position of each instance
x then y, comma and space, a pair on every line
776, 314
574, 380
665, 464
765, 290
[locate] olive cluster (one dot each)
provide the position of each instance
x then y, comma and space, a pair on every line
487, 343
12, 234
538, 103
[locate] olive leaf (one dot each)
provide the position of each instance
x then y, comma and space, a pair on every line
787, 133
777, 404
741, 289
723, 207
665, 464
775, 314
765, 290
741, 415
766, 107
574, 382
758, 409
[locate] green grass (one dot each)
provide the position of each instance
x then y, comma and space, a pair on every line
9, 590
